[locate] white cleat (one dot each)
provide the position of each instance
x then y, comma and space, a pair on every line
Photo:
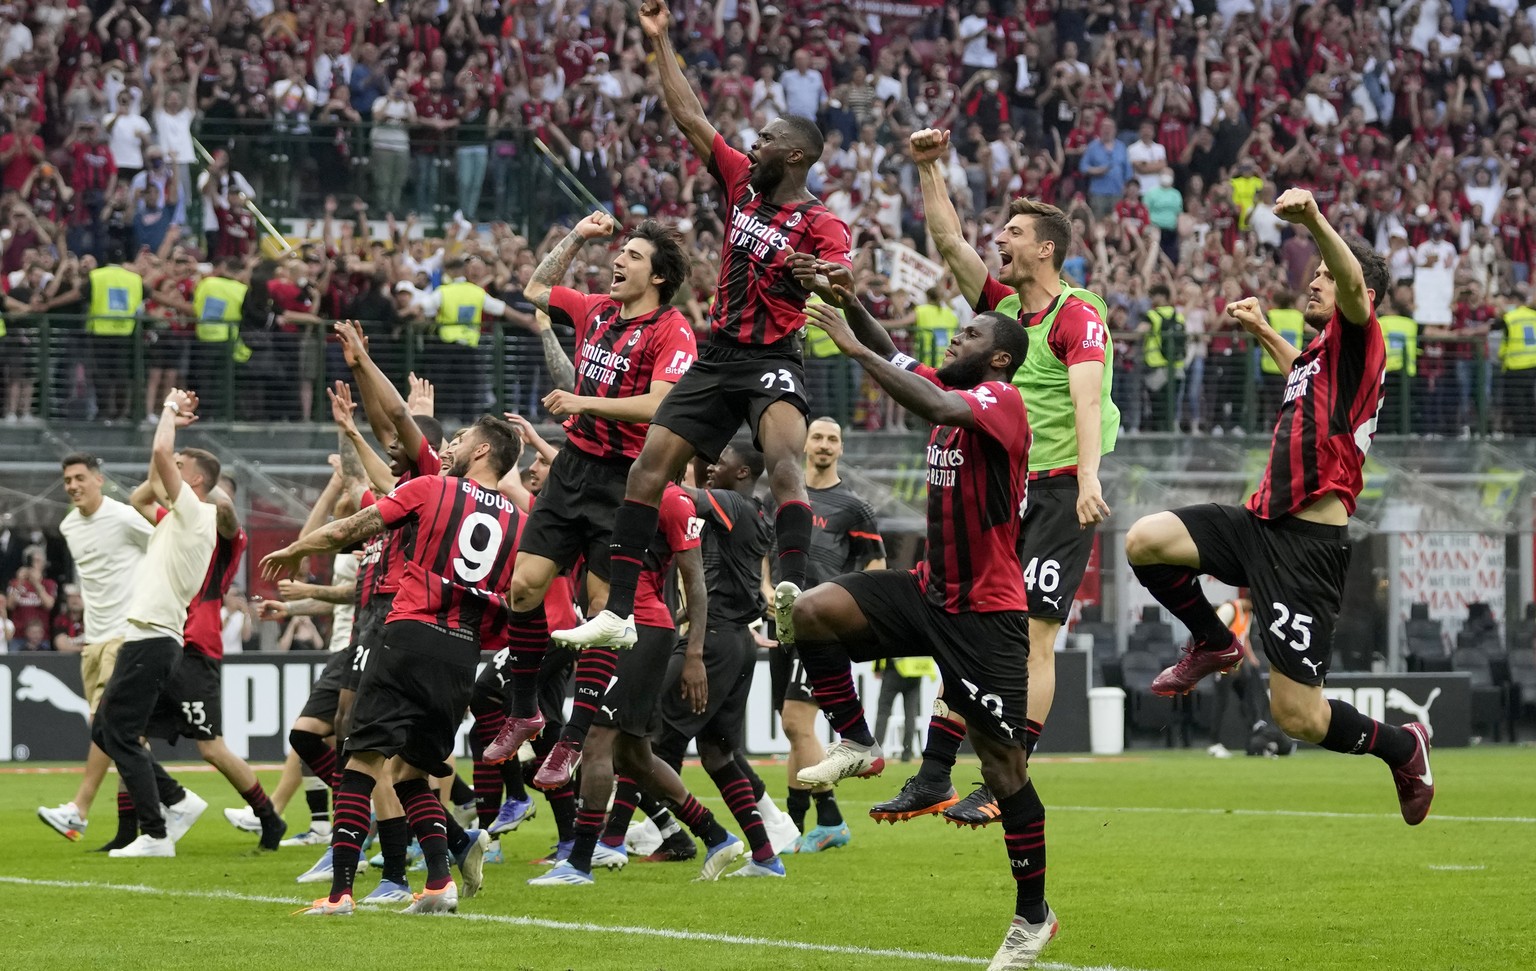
310, 837
64, 820
611, 857
1218, 751
607, 629
326, 907
147, 846
784, 597
245, 821
782, 831
844, 760
642, 838
562, 874
444, 901
717, 858
1024, 943
752, 868
472, 863
180, 817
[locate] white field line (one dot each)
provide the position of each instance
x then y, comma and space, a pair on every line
575, 926
1197, 811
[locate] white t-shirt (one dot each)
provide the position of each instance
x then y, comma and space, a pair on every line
234, 182
125, 137
978, 50
108, 548
174, 568
234, 622
1434, 286
1155, 152
343, 569
175, 133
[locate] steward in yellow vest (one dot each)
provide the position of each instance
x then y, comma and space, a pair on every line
1290, 325
935, 325
116, 299
217, 302
1401, 334
1518, 352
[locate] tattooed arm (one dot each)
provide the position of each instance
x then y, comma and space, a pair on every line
561, 370
552, 269
329, 538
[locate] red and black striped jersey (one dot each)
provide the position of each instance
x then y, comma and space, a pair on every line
383, 561
459, 541
1327, 420
758, 302
978, 482
679, 529
619, 358
204, 632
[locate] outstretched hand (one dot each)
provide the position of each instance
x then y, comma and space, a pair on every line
821, 277
281, 563
655, 18
354, 346
831, 320
422, 399
342, 405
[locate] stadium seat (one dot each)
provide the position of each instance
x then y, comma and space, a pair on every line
1143, 709
1490, 699
1153, 635
1424, 641
1093, 624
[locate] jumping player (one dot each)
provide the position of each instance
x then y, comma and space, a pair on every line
1289, 544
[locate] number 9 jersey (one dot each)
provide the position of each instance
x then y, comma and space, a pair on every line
459, 544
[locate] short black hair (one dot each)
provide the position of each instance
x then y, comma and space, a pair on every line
1373, 266
750, 456
207, 463
505, 442
1008, 335
80, 458
669, 260
1159, 289
807, 135
431, 430
453, 265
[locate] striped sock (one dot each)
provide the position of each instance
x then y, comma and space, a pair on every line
1023, 818
430, 824
700, 820
595, 669
527, 640
736, 789
1032, 730
313, 752
792, 530
943, 746
831, 676
589, 823
256, 798
626, 795
350, 829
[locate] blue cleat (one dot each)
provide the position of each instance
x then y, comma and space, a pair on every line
563, 875
320, 872
772, 867
720, 856
493, 854
558, 854
612, 857
823, 838
388, 892
513, 813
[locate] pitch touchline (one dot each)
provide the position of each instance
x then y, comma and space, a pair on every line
562, 925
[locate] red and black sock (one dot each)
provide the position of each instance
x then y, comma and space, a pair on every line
313, 752
792, 531
589, 823
634, 526
797, 805
939, 753
700, 821
562, 806
1352, 733
1032, 730
395, 844
831, 676
1023, 818
349, 829
527, 640
487, 793
430, 824
827, 813
459, 792
626, 795
736, 789
595, 669
256, 798
758, 788
657, 812
1177, 588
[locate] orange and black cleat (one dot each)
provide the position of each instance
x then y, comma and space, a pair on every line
915, 799
976, 810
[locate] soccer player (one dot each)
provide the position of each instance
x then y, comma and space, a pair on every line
107, 540
752, 368
175, 564
965, 604
415, 689
1289, 544
846, 538
1065, 380
632, 346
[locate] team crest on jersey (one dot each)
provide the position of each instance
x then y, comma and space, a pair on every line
635, 338
984, 397
792, 221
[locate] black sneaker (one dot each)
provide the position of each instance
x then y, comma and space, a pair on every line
677, 848
272, 830
977, 809
916, 798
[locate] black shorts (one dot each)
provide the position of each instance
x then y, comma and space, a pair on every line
169, 351
730, 385
730, 658
788, 674
1294, 571
325, 696
190, 704
632, 703
574, 515
983, 658
1056, 549
367, 636
493, 687
415, 690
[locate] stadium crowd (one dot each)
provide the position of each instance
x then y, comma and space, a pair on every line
1163, 128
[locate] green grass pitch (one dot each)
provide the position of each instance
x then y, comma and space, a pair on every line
1158, 862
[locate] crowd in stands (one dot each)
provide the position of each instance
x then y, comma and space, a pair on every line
1163, 127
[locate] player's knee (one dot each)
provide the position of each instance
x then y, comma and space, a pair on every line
1143, 541
812, 614
525, 594
1299, 720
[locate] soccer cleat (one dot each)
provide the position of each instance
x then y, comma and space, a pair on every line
642, 838
244, 819
977, 809
782, 831
612, 857
309, 837
413, 858
916, 798
465, 814
180, 817
147, 846
677, 848
563, 875
513, 813
1415, 783
823, 838
388, 892
720, 856
471, 861
493, 853
784, 597
559, 765
1219, 751
320, 872
326, 907
1196, 663
513, 734
773, 867
444, 901
1024, 943
844, 760
556, 855
607, 629
272, 830
64, 820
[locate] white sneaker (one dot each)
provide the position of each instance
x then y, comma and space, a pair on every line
782, 831
244, 820
607, 629
444, 901
180, 817
465, 815
844, 760
1218, 751
147, 845
643, 838
784, 597
310, 837
65, 820
608, 856
1024, 943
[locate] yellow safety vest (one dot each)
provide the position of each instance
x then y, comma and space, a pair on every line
917, 667
1402, 337
935, 327
818, 343
116, 296
1152, 349
458, 315
1518, 352
1290, 325
218, 301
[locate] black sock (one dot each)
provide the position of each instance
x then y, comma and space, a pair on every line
656, 811
1032, 730
562, 806
319, 805
512, 778
758, 788
527, 640
1352, 733
699, 820
589, 824
395, 844
737, 792
634, 526
127, 822
1023, 819
792, 532
461, 794
797, 805
430, 824
595, 668
350, 829
942, 748
626, 796
831, 676
487, 793
1177, 588
827, 813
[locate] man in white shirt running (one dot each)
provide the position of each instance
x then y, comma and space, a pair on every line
106, 539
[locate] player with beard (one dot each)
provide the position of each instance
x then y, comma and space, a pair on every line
1066, 385
1289, 543
965, 604
752, 369
416, 688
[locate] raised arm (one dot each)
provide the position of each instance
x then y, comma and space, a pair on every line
682, 103
179, 411
831, 281
561, 370
1350, 295
321, 511
359, 462
557, 262
386, 410
929, 150
330, 538
1248, 313
228, 518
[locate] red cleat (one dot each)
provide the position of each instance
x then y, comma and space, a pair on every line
1194, 665
512, 736
559, 765
1415, 783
